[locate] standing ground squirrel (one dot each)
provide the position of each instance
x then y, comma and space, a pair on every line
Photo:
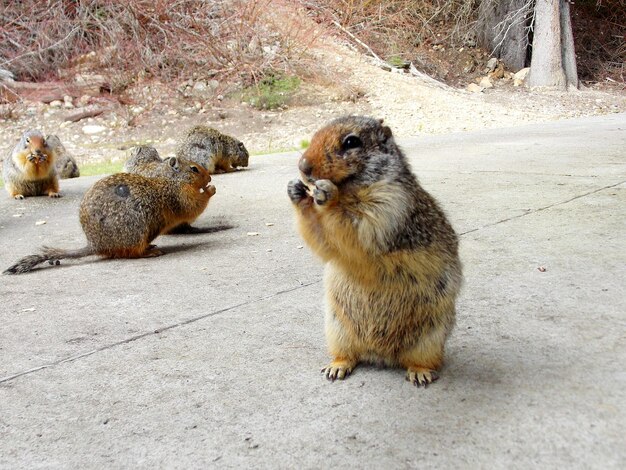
145, 161
29, 170
219, 153
392, 270
64, 163
122, 213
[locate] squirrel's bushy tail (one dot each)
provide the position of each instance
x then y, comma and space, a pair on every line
47, 254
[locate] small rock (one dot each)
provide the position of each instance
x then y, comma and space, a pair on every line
522, 74
497, 73
56, 104
84, 100
485, 82
136, 110
269, 224
491, 65
40, 222
473, 88
252, 234
91, 129
199, 86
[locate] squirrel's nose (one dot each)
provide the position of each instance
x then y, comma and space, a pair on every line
305, 167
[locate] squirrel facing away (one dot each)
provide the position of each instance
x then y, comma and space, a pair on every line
392, 269
219, 153
64, 163
122, 213
29, 170
145, 161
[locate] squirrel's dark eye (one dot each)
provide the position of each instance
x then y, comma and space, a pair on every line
351, 142
195, 169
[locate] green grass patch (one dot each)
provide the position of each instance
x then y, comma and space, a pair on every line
100, 168
398, 62
272, 92
91, 169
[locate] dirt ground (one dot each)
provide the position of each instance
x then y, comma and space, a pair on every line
352, 84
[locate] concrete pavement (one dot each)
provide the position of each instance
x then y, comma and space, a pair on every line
209, 356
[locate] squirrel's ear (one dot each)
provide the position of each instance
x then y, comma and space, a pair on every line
386, 131
173, 161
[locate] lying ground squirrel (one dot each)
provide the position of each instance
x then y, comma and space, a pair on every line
29, 170
64, 163
392, 270
219, 153
145, 161
122, 213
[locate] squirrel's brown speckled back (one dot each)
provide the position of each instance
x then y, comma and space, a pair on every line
145, 161
121, 214
392, 270
219, 153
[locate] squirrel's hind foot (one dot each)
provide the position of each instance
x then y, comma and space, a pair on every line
338, 369
152, 252
420, 376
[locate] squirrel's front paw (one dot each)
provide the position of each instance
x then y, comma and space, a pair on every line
53, 194
324, 191
297, 191
210, 190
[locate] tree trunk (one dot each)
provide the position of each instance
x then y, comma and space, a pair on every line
553, 63
567, 46
502, 30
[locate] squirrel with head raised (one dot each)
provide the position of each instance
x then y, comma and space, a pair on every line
145, 161
30, 170
121, 214
219, 153
392, 269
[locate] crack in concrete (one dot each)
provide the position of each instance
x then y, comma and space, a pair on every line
541, 209
151, 333
263, 298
